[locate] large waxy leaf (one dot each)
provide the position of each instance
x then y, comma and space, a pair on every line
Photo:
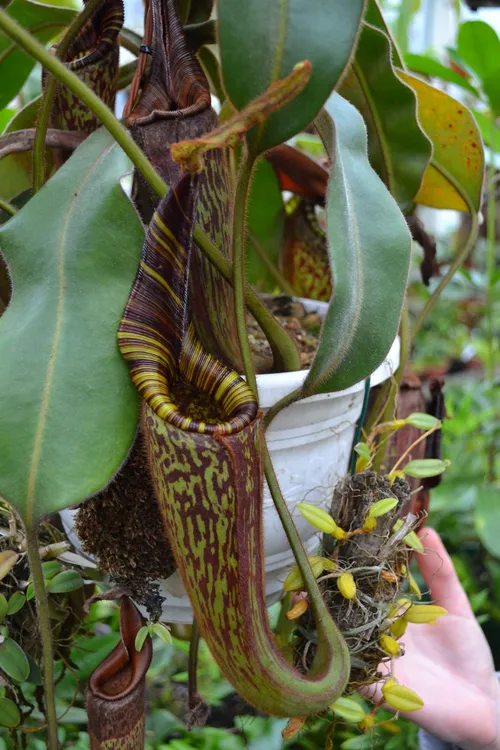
255, 54
370, 253
454, 179
399, 150
45, 22
68, 410
479, 47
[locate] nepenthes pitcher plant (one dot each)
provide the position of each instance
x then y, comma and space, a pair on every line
200, 420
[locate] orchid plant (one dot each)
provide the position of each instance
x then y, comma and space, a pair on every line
128, 314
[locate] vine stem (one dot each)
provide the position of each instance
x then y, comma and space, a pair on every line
239, 236
7, 207
48, 97
491, 221
194, 644
239, 228
412, 446
42, 604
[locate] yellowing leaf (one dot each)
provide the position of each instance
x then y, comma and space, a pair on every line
421, 614
294, 580
318, 517
454, 179
401, 698
347, 585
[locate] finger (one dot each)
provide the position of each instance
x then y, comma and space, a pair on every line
439, 575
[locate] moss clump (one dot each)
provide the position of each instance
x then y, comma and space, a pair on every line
375, 560
123, 530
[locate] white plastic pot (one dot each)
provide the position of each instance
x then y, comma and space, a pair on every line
310, 444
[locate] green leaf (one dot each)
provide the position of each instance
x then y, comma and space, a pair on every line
363, 450
487, 518
489, 130
422, 468
422, 421
428, 66
162, 632
6, 116
262, 41
16, 169
51, 569
45, 23
140, 638
398, 149
68, 409
406, 11
13, 660
63, 583
9, 713
370, 253
16, 602
381, 507
266, 223
479, 47
3, 608
454, 178
348, 709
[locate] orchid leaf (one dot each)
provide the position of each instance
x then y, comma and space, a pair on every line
45, 22
370, 254
68, 411
204, 445
454, 178
398, 149
255, 55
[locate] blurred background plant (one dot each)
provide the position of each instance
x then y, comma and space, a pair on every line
439, 39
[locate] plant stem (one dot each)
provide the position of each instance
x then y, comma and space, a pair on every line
490, 301
42, 604
412, 446
292, 534
284, 350
287, 400
459, 259
50, 90
194, 644
239, 236
279, 339
7, 207
271, 268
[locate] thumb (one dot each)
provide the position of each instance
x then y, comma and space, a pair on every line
440, 576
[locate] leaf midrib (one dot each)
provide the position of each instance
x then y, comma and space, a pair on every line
49, 376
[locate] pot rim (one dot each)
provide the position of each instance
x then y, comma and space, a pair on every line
274, 386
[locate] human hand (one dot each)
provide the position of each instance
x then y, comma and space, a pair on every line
449, 663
